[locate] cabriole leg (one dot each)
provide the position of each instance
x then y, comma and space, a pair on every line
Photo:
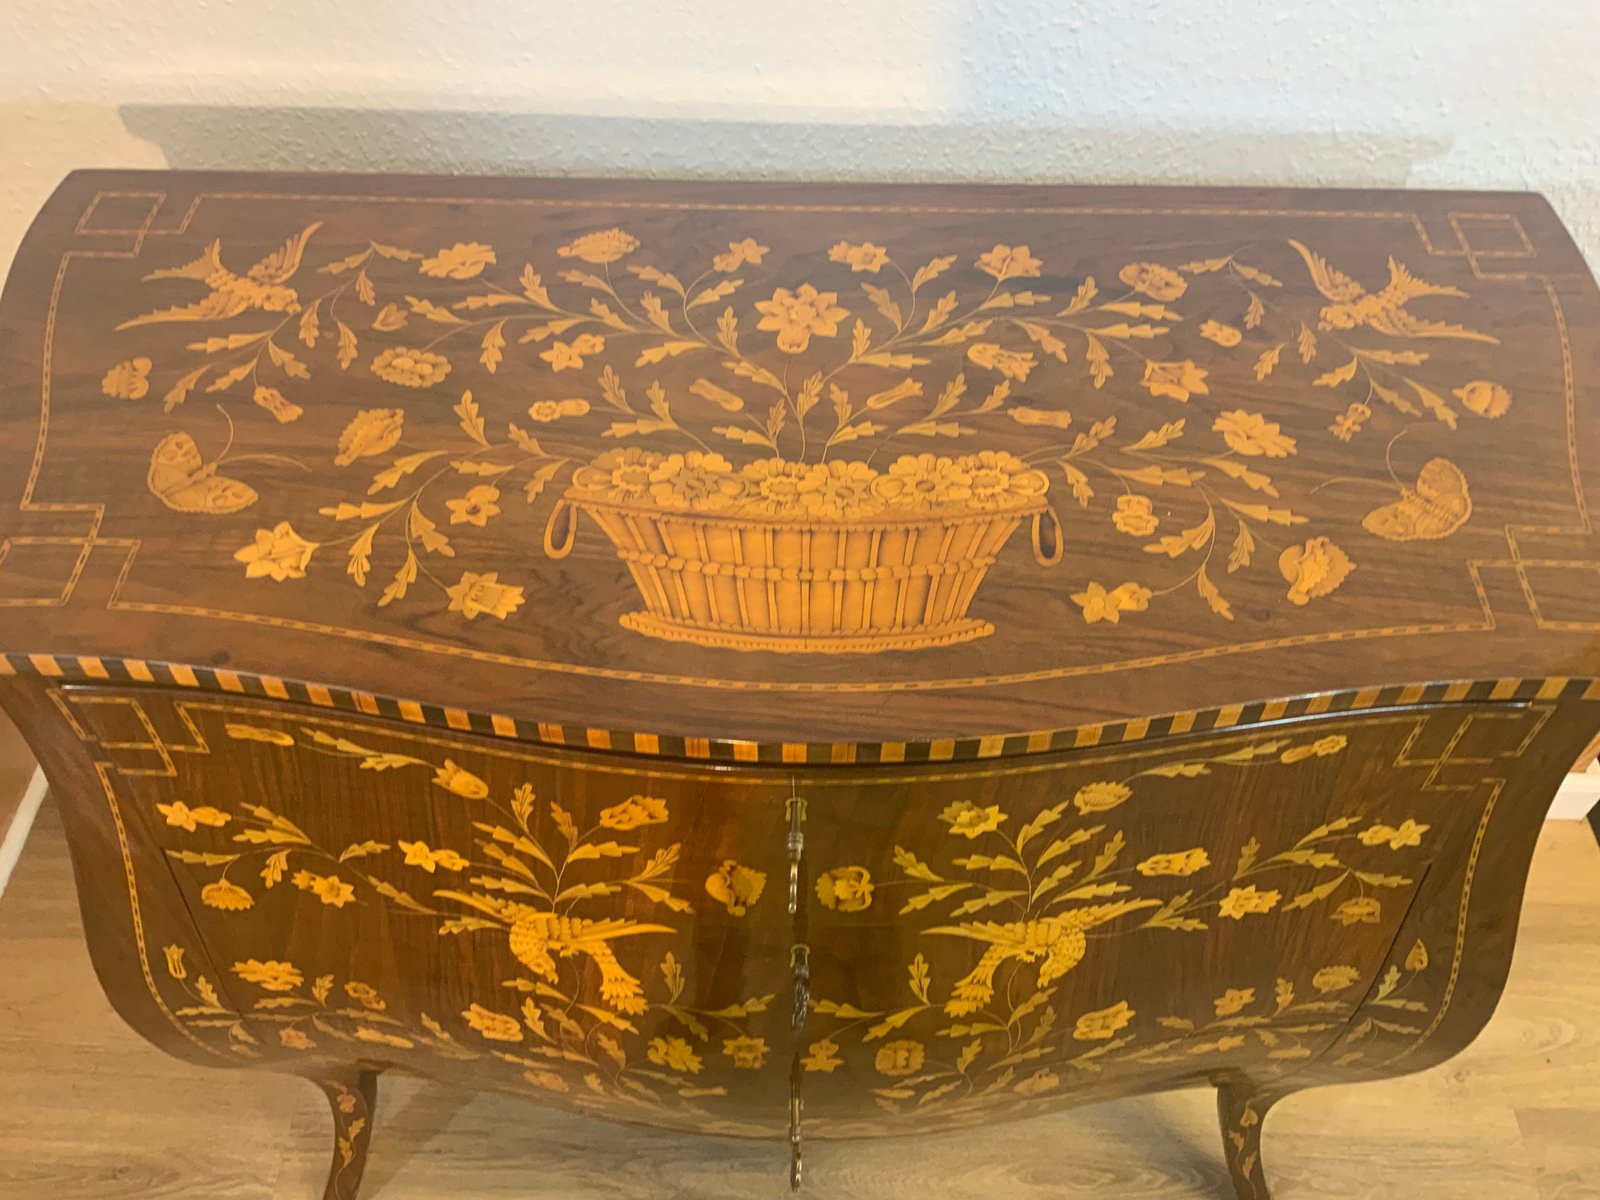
1242, 1111
352, 1097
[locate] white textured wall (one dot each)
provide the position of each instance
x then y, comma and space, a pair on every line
1470, 93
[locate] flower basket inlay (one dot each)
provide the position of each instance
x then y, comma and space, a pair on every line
827, 557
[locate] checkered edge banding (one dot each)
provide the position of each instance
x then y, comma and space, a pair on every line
81, 669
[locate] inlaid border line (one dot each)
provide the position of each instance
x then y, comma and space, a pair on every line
102, 770
90, 669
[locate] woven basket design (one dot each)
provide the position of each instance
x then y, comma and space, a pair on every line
891, 581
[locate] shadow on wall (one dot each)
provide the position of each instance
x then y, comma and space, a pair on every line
339, 139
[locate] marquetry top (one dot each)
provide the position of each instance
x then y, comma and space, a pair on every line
800, 463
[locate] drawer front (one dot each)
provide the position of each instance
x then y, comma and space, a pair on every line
613, 934
594, 933
1150, 915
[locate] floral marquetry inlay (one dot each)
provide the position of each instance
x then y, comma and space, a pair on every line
1033, 895
593, 928
589, 911
568, 443
824, 455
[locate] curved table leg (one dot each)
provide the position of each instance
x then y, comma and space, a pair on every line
352, 1096
1242, 1110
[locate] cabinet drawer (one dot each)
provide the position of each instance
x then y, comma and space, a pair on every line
615, 932
586, 926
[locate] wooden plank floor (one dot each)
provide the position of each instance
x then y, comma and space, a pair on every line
88, 1111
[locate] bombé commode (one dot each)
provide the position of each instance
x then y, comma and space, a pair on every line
799, 661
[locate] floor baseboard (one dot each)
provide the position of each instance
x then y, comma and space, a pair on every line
16, 834
1578, 797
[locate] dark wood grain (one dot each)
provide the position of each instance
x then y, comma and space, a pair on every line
708, 655
1506, 593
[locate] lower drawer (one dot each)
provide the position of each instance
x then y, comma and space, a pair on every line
615, 934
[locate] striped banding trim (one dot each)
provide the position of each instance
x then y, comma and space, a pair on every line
71, 669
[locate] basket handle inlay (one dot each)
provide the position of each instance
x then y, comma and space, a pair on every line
561, 530
1048, 541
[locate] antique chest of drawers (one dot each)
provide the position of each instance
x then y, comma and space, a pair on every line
798, 661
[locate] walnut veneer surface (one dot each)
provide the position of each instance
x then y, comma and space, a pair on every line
788, 660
